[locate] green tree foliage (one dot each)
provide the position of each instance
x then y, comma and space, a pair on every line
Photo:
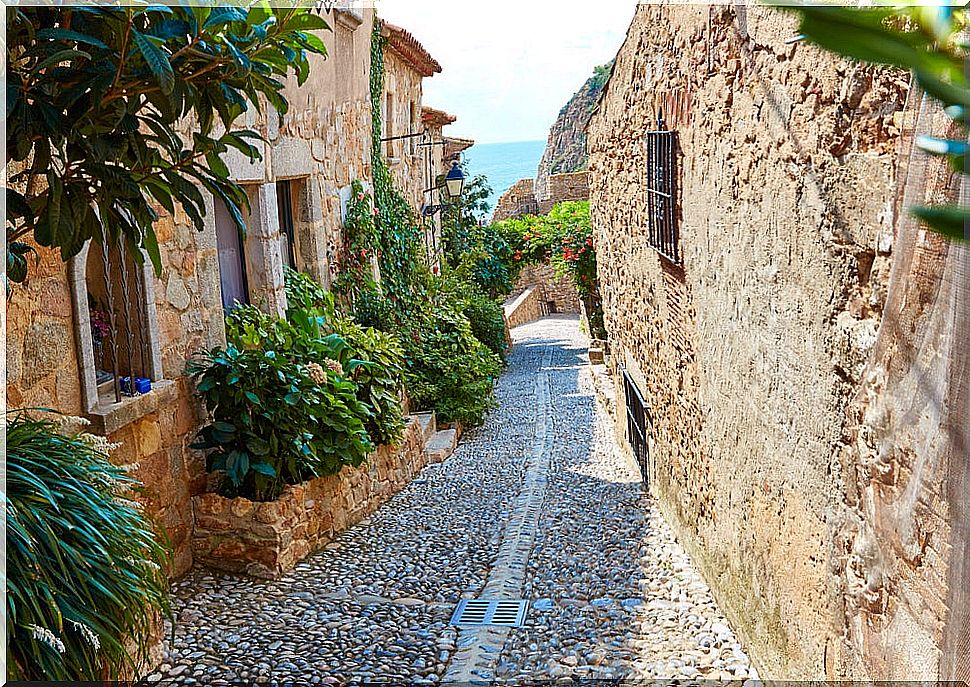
564, 237
930, 42
95, 100
476, 248
84, 568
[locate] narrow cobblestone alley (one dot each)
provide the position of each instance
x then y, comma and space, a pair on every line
538, 504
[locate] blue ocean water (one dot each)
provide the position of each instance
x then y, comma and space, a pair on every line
504, 164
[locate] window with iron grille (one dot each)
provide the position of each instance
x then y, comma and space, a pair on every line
286, 191
636, 424
112, 290
661, 183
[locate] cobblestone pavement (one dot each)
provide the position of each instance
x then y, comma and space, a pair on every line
537, 504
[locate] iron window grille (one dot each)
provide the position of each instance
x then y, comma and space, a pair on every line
284, 206
661, 197
119, 323
636, 424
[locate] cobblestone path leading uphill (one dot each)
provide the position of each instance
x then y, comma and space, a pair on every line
537, 504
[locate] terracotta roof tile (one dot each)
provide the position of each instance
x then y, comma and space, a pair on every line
410, 50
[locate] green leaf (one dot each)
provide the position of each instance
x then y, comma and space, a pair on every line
223, 15
60, 56
264, 469
68, 35
150, 243
952, 221
157, 61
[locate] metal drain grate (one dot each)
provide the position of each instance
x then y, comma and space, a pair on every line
490, 612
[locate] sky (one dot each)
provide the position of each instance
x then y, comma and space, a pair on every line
508, 66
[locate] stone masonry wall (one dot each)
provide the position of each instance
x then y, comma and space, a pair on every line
324, 144
558, 294
561, 187
753, 354
407, 160
527, 307
267, 539
518, 201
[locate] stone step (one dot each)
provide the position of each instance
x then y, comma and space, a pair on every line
429, 424
441, 445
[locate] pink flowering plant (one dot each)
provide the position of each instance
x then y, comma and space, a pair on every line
359, 244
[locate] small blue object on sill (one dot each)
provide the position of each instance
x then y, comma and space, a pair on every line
142, 386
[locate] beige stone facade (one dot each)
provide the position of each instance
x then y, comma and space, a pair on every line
790, 441
298, 193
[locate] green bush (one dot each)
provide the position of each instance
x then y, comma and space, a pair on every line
448, 369
277, 419
304, 293
487, 320
84, 566
378, 375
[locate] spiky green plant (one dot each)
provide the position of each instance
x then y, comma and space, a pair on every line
85, 583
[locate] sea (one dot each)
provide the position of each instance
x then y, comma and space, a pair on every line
504, 164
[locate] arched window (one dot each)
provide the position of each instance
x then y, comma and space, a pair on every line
116, 326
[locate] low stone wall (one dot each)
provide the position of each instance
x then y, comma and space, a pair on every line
518, 201
563, 187
267, 539
559, 293
526, 307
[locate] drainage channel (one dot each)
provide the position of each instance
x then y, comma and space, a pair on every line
486, 622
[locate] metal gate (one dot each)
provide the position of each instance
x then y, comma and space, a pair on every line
636, 425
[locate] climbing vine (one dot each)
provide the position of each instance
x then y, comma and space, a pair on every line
400, 248
358, 245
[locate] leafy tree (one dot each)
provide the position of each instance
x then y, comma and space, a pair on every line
928, 41
97, 100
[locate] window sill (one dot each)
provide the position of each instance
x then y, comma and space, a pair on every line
109, 417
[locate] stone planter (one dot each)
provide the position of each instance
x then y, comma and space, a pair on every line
265, 539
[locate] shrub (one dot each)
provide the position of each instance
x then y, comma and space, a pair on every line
304, 293
85, 582
277, 419
378, 374
487, 320
448, 369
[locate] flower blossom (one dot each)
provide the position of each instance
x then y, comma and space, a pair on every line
335, 367
316, 373
47, 637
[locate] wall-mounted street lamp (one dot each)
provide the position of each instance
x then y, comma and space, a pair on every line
454, 183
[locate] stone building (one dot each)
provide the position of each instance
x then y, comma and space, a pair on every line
412, 133
76, 330
786, 338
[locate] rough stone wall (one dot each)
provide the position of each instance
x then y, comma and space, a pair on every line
562, 187
528, 306
518, 201
403, 83
267, 539
557, 293
752, 356
324, 143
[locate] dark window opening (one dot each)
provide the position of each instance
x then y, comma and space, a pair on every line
284, 203
232, 260
636, 424
661, 182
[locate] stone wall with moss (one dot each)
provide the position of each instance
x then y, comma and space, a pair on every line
822, 525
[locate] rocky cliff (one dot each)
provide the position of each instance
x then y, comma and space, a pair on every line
566, 147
